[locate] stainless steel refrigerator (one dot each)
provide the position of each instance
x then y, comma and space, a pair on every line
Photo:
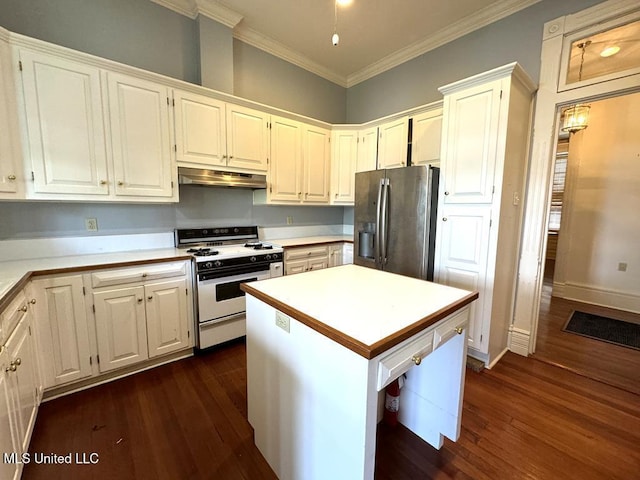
395, 220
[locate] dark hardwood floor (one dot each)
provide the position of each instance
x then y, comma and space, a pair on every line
524, 419
613, 364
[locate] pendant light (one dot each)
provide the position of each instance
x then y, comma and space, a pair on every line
576, 117
335, 38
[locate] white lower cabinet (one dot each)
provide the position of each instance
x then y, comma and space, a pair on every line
335, 254
305, 259
98, 322
19, 385
62, 329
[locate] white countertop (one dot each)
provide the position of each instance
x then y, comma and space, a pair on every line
364, 304
13, 272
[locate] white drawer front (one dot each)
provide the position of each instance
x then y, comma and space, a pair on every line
105, 278
12, 315
450, 328
302, 253
403, 357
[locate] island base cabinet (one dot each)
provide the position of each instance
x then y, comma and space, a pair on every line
313, 403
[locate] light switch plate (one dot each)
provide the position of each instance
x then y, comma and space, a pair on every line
282, 321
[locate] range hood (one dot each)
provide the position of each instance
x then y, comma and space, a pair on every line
218, 178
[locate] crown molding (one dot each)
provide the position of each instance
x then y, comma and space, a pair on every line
269, 45
480, 19
208, 8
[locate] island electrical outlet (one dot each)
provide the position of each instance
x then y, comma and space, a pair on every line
91, 224
282, 321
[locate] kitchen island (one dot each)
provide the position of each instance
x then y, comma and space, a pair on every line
322, 345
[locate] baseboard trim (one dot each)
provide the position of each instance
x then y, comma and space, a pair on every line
616, 299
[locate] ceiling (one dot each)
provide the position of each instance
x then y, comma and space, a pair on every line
375, 35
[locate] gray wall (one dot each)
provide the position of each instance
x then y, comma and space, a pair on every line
514, 38
264, 78
198, 206
136, 32
215, 50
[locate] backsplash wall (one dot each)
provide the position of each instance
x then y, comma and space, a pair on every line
198, 206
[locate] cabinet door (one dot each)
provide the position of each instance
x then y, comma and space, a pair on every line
463, 240
285, 172
61, 329
23, 379
141, 137
470, 144
8, 421
10, 176
200, 130
426, 138
120, 327
392, 143
318, 263
247, 138
367, 150
335, 255
343, 166
317, 161
167, 317
295, 266
65, 125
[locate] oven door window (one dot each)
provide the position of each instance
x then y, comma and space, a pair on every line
227, 291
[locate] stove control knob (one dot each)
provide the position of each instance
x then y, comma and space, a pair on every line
218, 263
205, 232
253, 259
267, 257
208, 264
236, 230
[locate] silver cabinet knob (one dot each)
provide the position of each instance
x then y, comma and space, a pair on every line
446, 193
444, 219
32, 301
23, 308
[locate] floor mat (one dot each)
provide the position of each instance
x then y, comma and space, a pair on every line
603, 328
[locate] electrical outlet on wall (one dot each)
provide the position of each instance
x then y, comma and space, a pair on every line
91, 224
290, 220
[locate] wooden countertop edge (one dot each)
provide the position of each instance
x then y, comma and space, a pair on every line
366, 351
20, 284
312, 244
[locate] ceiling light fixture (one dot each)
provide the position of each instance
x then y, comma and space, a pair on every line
576, 117
610, 51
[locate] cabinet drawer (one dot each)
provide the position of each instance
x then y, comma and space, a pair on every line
106, 278
450, 328
302, 253
12, 315
403, 357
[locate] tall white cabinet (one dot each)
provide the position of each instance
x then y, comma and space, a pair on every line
11, 176
486, 127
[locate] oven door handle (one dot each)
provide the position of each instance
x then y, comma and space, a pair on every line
223, 319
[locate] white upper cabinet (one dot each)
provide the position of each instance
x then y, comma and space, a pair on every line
285, 171
392, 143
247, 138
200, 129
426, 138
472, 115
343, 166
141, 137
65, 125
213, 134
316, 155
11, 174
367, 149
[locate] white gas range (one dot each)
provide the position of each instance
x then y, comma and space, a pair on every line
224, 258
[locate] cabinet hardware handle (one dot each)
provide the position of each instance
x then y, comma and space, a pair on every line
32, 301
17, 361
417, 359
140, 300
23, 308
224, 157
11, 177
149, 298
459, 330
299, 194
336, 195
230, 157
103, 182
444, 219
446, 193
120, 183
144, 275
11, 368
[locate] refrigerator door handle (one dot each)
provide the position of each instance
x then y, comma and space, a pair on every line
378, 236
384, 225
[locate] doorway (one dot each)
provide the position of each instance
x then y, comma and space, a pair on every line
592, 238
